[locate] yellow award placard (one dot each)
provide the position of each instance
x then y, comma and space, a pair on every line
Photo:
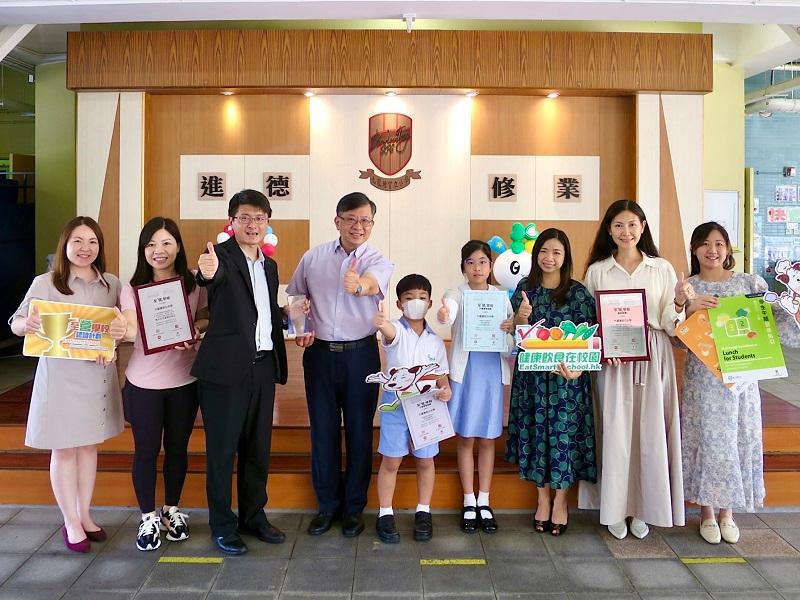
71, 331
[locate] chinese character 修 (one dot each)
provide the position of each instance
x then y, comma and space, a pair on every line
503, 187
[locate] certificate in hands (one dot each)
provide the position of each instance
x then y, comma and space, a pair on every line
484, 311
428, 419
163, 313
622, 316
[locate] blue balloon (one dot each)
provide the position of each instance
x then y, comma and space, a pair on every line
497, 244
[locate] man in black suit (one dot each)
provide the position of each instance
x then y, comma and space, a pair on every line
240, 360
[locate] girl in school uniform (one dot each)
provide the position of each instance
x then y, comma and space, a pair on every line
476, 380
550, 420
722, 443
75, 404
638, 423
160, 396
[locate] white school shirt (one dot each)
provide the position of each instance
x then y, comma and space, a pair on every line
654, 274
261, 296
408, 349
458, 356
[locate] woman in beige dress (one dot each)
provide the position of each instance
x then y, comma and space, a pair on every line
75, 404
638, 424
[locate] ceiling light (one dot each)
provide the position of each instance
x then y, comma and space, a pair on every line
226, 93
471, 94
308, 94
390, 93
553, 95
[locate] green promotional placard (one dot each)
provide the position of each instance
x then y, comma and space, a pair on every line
747, 341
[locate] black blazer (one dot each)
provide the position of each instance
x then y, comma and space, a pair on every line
229, 346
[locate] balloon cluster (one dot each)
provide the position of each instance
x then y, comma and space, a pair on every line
514, 262
267, 247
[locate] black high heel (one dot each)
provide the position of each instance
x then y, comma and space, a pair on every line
541, 526
558, 529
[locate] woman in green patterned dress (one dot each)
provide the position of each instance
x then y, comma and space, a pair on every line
551, 422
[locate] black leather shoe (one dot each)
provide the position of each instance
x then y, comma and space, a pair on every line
266, 533
352, 524
423, 526
322, 522
469, 525
488, 525
230, 544
387, 529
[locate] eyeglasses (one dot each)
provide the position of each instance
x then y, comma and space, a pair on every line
247, 219
365, 222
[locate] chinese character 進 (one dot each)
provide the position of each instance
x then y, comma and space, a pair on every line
503, 187
212, 185
568, 188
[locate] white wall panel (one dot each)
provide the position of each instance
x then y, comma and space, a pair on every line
482, 208
256, 165
131, 179
209, 208
648, 157
95, 128
588, 208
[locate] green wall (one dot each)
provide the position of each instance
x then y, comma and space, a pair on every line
55, 157
16, 131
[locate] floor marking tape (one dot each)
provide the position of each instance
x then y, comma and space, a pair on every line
202, 560
440, 562
714, 560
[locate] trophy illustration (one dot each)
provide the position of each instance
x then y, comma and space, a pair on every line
54, 329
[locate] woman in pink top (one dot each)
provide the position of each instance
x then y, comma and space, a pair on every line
160, 396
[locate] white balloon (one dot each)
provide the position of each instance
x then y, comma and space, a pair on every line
509, 268
222, 237
271, 238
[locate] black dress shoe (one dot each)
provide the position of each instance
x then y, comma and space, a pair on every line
488, 525
352, 524
266, 533
387, 529
230, 544
423, 526
322, 522
469, 525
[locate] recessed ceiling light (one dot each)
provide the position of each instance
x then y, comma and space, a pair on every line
226, 93
471, 94
390, 93
553, 95
308, 94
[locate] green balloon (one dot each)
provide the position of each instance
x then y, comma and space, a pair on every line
517, 247
517, 232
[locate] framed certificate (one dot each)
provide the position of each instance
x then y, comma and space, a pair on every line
163, 313
483, 314
622, 316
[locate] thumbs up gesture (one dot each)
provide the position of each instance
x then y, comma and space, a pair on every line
525, 309
380, 317
33, 323
351, 279
683, 290
443, 316
118, 326
208, 263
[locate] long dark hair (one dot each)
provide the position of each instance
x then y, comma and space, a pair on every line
559, 294
700, 235
61, 268
604, 245
144, 272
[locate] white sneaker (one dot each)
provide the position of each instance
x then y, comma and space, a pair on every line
148, 538
639, 528
619, 530
174, 523
709, 531
729, 530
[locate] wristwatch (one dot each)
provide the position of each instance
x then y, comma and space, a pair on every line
359, 289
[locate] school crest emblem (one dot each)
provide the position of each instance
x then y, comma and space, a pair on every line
389, 147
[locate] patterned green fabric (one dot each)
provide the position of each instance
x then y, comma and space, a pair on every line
550, 420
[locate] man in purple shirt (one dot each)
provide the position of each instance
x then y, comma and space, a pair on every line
344, 281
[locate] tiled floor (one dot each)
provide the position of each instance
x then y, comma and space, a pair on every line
516, 562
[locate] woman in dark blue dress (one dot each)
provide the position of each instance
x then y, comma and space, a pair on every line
550, 421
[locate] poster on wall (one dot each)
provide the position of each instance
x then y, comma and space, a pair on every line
785, 193
777, 214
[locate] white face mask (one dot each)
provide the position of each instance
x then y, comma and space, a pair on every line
415, 309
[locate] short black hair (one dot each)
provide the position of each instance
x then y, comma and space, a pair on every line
251, 198
354, 200
413, 282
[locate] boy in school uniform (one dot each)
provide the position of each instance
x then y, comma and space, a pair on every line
408, 341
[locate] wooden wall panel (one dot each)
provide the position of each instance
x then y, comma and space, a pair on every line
604, 127
487, 60
108, 217
671, 243
203, 124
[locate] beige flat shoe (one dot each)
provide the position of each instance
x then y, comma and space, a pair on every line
618, 530
729, 531
709, 531
639, 528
